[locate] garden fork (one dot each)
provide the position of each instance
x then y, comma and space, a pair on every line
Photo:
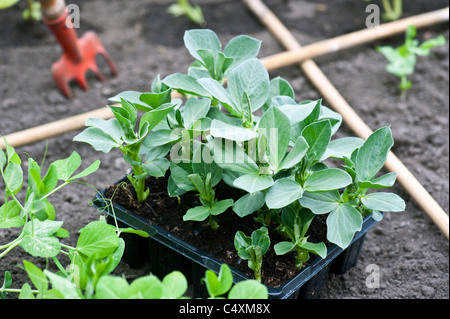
78, 54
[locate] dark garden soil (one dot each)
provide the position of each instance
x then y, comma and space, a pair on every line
408, 249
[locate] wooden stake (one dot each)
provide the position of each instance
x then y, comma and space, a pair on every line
350, 117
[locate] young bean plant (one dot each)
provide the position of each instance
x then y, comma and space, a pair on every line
253, 248
295, 222
237, 127
183, 7
124, 133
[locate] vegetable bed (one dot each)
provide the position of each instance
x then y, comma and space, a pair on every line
144, 40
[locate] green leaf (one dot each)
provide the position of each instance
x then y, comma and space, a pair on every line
98, 139
275, 125
111, 287
229, 155
26, 292
154, 100
253, 183
221, 206
241, 48
89, 170
221, 129
195, 109
317, 135
282, 193
10, 215
373, 154
157, 167
38, 240
66, 167
218, 92
146, 287
260, 238
13, 177
385, 202
249, 203
155, 116
321, 203
384, 181
7, 283
218, 285
198, 213
201, 39
174, 285
181, 176
37, 276
284, 247
133, 97
326, 180
185, 84
250, 76
316, 248
248, 289
278, 87
97, 238
295, 155
62, 285
342, 224
42, 228
341, 147
7, 3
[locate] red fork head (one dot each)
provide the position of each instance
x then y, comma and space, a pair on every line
79, 56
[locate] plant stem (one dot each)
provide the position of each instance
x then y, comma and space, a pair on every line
16, 290
393, 12
213, 222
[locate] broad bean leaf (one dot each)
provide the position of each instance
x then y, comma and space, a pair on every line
326, 180
282, 193
321, 203
249, 203
275, 125
373, 154
385, 202
342, 224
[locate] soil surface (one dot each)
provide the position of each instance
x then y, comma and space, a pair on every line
407, 249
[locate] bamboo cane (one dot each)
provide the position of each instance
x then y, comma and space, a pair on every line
298, 54
294, 55
350, 117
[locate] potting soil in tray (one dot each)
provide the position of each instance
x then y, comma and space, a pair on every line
167, 212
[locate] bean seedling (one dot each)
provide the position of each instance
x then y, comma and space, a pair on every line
253, 248
402, 60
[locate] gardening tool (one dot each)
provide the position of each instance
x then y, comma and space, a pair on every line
78, 54
350, 117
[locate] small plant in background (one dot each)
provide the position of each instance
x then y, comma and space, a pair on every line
402, 60
392, 10
183, 7
253, 248
32, 11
